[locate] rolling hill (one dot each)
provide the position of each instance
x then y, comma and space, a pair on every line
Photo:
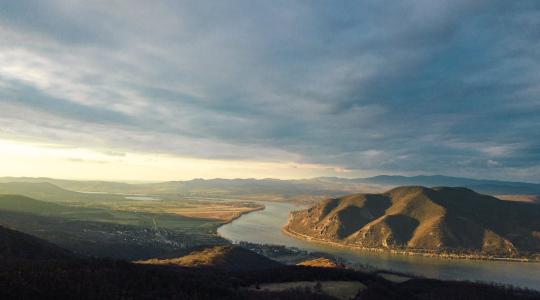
104, 232
223, 257
19, 203
31, 268
50, 192
321, 262
491, 187
423, 219
18, 245
268, 189
313, 189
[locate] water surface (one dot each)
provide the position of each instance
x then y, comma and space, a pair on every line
264, 227
143, 198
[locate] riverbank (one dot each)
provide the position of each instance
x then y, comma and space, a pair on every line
289, 232
260, 207
264, 227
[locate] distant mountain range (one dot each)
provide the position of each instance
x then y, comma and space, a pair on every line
48, 191
260, 189
492, 187
423, 219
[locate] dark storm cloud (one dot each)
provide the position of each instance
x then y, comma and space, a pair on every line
447, 87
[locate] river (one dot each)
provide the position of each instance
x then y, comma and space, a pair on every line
264, 227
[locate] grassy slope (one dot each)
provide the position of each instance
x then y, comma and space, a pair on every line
50, 192
16, 203
321, 262
225, 257
103, 232
18, 245
423, 218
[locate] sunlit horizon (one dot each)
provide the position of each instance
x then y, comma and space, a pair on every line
177, 90
20, 159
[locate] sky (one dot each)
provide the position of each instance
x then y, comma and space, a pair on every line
167, 90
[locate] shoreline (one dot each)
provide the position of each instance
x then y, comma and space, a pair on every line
285, 229
225, 222
262, 207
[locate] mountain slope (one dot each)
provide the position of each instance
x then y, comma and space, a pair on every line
491, 187
47, 191
15, 244
270, 189
430, 219
224, 257
17, 203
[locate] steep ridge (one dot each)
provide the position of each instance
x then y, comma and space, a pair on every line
446, 219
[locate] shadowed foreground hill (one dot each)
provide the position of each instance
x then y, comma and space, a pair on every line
419, 218
17, 245
223, 257
48, 274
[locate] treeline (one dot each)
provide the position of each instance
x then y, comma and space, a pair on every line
113, 279
430, 289
109, 279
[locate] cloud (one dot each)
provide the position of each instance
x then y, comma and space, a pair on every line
378, 86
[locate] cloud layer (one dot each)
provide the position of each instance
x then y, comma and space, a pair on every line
408, 87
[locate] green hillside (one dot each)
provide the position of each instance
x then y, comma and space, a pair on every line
105, 232
23, 204
17, 245
49, 192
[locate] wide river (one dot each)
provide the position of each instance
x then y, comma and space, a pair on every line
264, 227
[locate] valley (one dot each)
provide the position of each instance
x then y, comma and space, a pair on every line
270, 150
301, 191
126, 229
265, 227
221, 211
151, 227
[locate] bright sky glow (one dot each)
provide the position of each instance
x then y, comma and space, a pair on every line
167, 90
47, 160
